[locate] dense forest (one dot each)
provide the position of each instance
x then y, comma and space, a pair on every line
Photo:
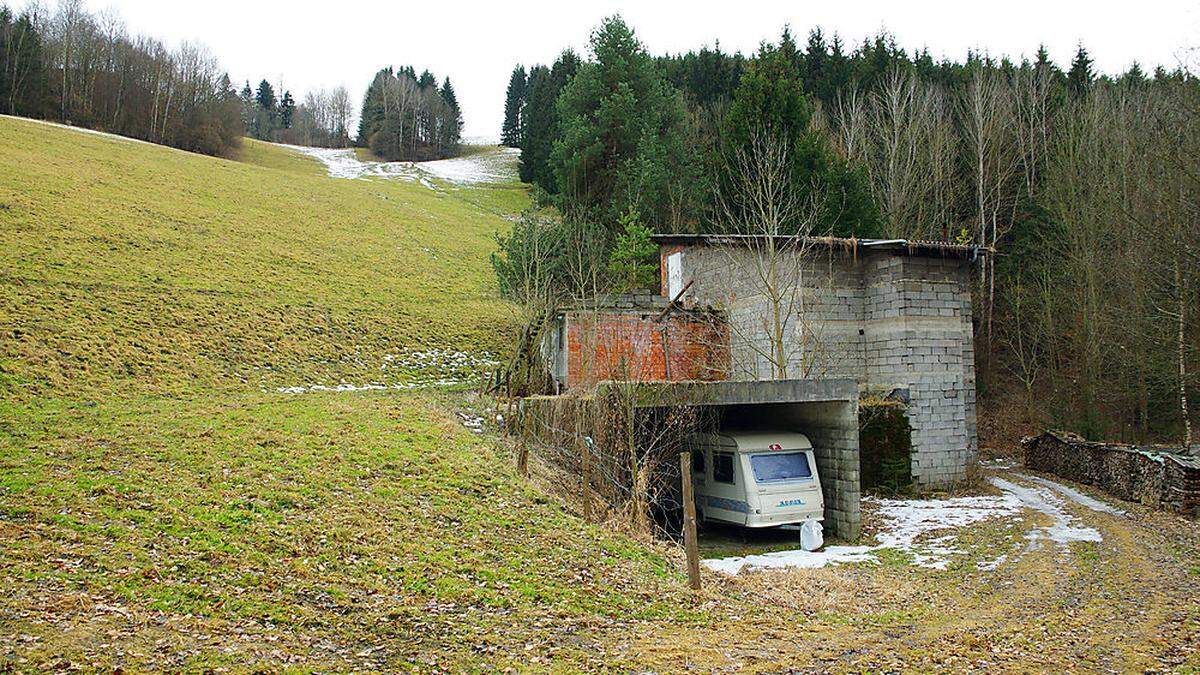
1084, 187
73, 66
409, 117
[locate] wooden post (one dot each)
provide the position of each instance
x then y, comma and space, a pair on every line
523, 457
691, 547
586, 478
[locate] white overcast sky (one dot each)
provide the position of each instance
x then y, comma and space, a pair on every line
308, 45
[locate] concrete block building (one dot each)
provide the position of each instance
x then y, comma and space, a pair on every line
894, 316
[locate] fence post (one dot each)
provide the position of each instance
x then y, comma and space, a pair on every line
523, 458
586, 477
691, 547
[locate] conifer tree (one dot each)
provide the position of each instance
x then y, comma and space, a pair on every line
452, 130
265, 96
1079, 78
287, 109
539, 119
514, 101
771, 100
622, 143
22, 71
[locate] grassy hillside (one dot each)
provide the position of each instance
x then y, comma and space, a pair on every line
272, 156
158, 493
136, 268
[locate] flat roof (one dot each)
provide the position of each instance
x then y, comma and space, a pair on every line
905, 247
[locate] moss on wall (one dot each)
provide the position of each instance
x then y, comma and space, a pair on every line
885, 445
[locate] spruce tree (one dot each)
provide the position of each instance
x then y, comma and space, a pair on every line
372, 108
772, 100
1135, 74
1079, 78
514, 101
452, 133
248, 108
22, 70
287, 108
540, 121
265, 96
622, 144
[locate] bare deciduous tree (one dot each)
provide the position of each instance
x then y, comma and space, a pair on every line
772, 262
988, 120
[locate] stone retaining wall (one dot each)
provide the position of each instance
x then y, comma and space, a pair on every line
1154, 477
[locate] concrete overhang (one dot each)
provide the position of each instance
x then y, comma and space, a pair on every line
728, 393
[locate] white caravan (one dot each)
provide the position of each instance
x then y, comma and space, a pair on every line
756, 478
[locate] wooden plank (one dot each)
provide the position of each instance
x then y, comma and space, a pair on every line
690, 545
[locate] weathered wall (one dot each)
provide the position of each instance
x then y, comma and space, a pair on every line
1158, 479
632, 345
889, 321
826, 410
917, 335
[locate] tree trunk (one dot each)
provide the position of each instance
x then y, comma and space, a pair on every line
1181, 346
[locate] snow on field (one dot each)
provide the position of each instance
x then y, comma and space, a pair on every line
414, 369
372, 386
908, 523
484, 167
493, 166
909, 520
905, 524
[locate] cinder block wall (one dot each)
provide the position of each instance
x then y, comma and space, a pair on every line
889, 321
917, 335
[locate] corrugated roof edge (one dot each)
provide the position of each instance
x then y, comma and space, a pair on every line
930, 249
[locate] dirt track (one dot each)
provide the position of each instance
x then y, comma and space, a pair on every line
1127, 603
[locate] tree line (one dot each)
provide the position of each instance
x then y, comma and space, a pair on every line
406, 116
86, 69
1083, 186
77, 67
321, 120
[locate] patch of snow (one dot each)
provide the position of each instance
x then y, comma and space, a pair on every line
798, 558
414, 369
440, 361
373, 386
909, 523
906, 524
909, 520
997, 463
1065, 529
481, 140
472, 422
482, 167
1078, 497
991, 565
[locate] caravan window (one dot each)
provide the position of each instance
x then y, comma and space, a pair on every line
723, 467
784, 466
